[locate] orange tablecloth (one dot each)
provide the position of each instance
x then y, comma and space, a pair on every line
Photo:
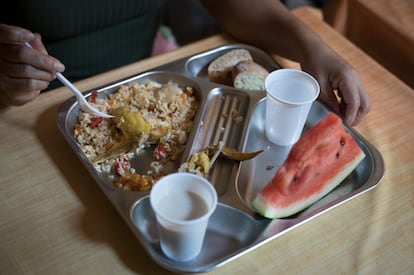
55, 219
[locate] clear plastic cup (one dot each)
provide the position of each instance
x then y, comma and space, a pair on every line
183, 204
289, 97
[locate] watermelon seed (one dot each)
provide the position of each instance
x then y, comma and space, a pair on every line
337, 155
342, 142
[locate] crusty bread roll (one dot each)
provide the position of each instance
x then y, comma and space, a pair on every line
249, 75
220, 70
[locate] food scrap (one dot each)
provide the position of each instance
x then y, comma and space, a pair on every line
201, 162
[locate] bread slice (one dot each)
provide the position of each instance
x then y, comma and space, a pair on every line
249, 75
220, 70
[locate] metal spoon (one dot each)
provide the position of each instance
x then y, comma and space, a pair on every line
83, 103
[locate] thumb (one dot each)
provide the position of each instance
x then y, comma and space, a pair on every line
38, 44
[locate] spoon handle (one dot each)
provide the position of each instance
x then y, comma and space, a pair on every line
61, 78
68, 84
83, 103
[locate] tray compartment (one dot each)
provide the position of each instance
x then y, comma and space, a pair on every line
198, 64
223, 232
256, 173
222, 120
141, 162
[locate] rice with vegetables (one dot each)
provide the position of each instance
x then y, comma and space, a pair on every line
147, 115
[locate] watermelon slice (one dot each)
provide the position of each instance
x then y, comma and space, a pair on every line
316, 164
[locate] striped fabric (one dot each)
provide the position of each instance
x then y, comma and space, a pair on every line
90, 36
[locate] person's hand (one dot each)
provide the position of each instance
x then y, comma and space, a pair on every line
341, 86
280, 32
24, 71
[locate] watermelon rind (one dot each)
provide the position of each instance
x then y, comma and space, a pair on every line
272, 212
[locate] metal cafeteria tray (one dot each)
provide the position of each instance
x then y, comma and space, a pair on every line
234, 229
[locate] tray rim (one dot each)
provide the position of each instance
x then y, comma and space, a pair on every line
131, 199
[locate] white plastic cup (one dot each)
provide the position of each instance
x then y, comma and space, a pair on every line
289, 97
183, 204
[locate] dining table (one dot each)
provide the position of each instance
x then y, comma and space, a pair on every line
56, 220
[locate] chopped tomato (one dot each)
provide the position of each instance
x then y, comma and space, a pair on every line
160, 151
93, 97
122, 165
95, 121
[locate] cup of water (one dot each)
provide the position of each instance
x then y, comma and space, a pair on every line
289, 97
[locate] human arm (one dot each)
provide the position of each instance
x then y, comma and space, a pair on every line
24, 71
270, 26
